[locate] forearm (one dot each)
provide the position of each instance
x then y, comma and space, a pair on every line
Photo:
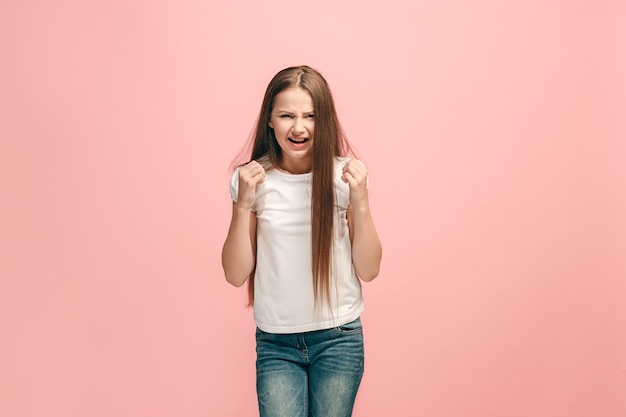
366, 246
238, 253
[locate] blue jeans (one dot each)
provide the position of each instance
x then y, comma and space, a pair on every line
310, 374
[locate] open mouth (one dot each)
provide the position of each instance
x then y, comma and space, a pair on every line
298, 141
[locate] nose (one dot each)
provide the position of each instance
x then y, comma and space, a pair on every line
298, 126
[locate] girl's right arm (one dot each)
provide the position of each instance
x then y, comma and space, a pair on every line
239, 251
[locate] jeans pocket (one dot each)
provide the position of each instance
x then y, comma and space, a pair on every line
261, 335
348, 329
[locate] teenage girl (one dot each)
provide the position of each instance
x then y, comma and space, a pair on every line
302, 236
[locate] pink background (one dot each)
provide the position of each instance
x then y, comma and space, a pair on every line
495, 137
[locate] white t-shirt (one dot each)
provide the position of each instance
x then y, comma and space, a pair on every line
283, 282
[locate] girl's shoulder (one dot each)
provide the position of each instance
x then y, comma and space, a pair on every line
341, 160
265, 163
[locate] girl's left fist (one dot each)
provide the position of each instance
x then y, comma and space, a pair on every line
354, 174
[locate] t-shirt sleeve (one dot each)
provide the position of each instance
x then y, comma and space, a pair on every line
234, 185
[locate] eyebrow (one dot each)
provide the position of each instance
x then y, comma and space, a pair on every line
289, 111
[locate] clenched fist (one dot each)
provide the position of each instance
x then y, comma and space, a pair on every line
250, 175
355, 175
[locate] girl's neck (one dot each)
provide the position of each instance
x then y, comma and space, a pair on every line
295, 167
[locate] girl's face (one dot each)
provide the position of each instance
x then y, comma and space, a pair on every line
293, 122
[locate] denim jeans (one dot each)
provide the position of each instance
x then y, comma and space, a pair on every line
310, 374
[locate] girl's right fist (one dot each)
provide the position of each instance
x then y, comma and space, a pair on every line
250, 175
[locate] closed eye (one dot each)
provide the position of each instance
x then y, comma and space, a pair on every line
285, 116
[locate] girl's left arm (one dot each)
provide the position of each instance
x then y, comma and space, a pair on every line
366, 246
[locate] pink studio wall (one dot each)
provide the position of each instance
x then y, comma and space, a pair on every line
494, 134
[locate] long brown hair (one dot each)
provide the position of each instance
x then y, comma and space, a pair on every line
330, 142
